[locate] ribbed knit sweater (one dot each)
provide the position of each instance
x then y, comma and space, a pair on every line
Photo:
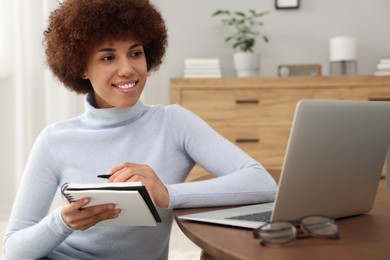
170, 139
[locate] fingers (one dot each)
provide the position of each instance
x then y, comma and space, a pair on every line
127, 172
79, 217
123, 166
132, 172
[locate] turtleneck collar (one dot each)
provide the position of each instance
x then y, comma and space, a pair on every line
99, 118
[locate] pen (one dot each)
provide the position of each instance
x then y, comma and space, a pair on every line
104, 176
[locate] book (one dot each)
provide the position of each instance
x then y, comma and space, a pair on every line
384, 60
137, 208
382, 73
383, 66
202, 68
201, 61
202, 71
202, 76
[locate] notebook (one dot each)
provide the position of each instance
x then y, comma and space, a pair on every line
137, 209
332, 166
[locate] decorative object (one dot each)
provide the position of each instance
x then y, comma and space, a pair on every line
343, 55
299, 70
246, 26
286, 4
247, 64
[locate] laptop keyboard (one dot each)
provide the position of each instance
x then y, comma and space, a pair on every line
257, 217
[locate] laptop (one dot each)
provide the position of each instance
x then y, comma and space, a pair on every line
332, 166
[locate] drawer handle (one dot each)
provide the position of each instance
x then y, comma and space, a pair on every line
247, 140
379, 99
249, 101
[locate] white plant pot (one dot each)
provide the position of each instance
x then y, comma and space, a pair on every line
247, 64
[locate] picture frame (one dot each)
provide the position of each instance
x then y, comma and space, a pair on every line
286, 4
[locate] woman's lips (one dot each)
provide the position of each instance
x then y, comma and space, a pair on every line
125, 87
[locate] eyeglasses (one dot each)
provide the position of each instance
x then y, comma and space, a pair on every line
283, 232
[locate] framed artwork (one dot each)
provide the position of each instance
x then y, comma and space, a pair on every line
286, 4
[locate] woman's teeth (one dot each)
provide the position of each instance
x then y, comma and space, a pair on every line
126, 86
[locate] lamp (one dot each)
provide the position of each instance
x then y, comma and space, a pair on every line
343, 55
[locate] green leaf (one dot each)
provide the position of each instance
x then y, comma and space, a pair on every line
219, 12
246, 26
228, 38
240, 14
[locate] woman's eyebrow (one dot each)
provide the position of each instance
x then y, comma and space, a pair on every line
135, 46
113, 49
106, 50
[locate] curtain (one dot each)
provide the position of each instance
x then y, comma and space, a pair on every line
30, 97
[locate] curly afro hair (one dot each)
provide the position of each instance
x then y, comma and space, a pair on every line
78, 25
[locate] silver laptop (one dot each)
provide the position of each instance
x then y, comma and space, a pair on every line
332, 167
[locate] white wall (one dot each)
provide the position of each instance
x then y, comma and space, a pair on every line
30, 98
296, 36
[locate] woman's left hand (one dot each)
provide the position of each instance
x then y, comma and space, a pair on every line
132, 172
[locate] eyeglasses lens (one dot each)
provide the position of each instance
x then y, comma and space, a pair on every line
277, 233
320, 226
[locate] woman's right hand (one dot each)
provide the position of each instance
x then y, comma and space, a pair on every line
79, 217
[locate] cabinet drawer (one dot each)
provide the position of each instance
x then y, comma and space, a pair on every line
265, 144
361, 93
244, 107
372, 93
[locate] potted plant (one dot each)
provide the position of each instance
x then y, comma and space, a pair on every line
246, 27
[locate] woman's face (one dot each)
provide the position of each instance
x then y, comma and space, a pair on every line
118, 72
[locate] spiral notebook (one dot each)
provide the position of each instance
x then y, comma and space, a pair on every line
137, 209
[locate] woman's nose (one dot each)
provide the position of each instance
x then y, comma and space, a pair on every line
125, 67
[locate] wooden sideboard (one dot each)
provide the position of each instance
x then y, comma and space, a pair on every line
256, 113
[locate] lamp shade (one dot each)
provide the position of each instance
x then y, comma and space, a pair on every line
342, 48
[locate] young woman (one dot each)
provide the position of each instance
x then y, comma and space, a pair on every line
106, 49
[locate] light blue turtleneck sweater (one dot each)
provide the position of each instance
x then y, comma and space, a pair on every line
169, 139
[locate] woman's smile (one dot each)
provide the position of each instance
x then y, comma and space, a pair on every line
126, 87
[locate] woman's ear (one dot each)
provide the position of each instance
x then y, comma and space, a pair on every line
84, 76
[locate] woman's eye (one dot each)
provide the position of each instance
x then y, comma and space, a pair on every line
136, 53
108, 58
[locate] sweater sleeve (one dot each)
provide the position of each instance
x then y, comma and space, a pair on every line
239, 178
32, 233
